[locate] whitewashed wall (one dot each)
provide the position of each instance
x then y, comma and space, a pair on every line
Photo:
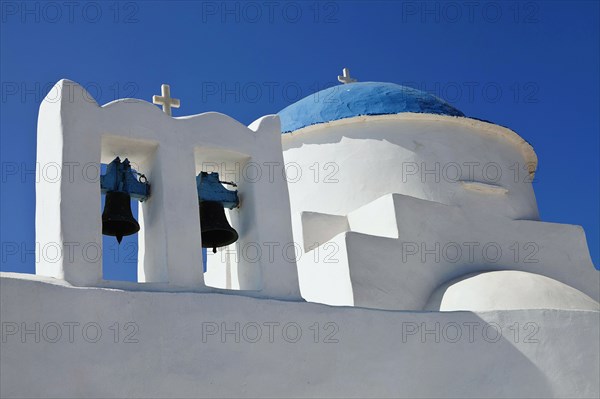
176, 348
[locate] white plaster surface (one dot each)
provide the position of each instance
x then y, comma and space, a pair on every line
429, 244
510, 290
377, 353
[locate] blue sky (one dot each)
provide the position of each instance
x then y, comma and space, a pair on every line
531, 66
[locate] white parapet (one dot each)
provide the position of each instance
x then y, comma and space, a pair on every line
59, 341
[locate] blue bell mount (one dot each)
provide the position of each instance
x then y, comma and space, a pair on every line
210, 188
121, 177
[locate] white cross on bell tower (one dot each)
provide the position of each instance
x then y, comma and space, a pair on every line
345, 78
165, 99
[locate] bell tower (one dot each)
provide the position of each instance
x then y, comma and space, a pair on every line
75, 132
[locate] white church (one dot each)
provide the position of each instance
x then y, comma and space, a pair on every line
369, 240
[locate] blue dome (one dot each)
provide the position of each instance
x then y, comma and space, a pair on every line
361, 98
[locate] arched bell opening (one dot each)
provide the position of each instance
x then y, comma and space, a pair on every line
224, 182
124, 179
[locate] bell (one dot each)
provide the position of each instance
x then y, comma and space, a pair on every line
117, 219
216, 231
